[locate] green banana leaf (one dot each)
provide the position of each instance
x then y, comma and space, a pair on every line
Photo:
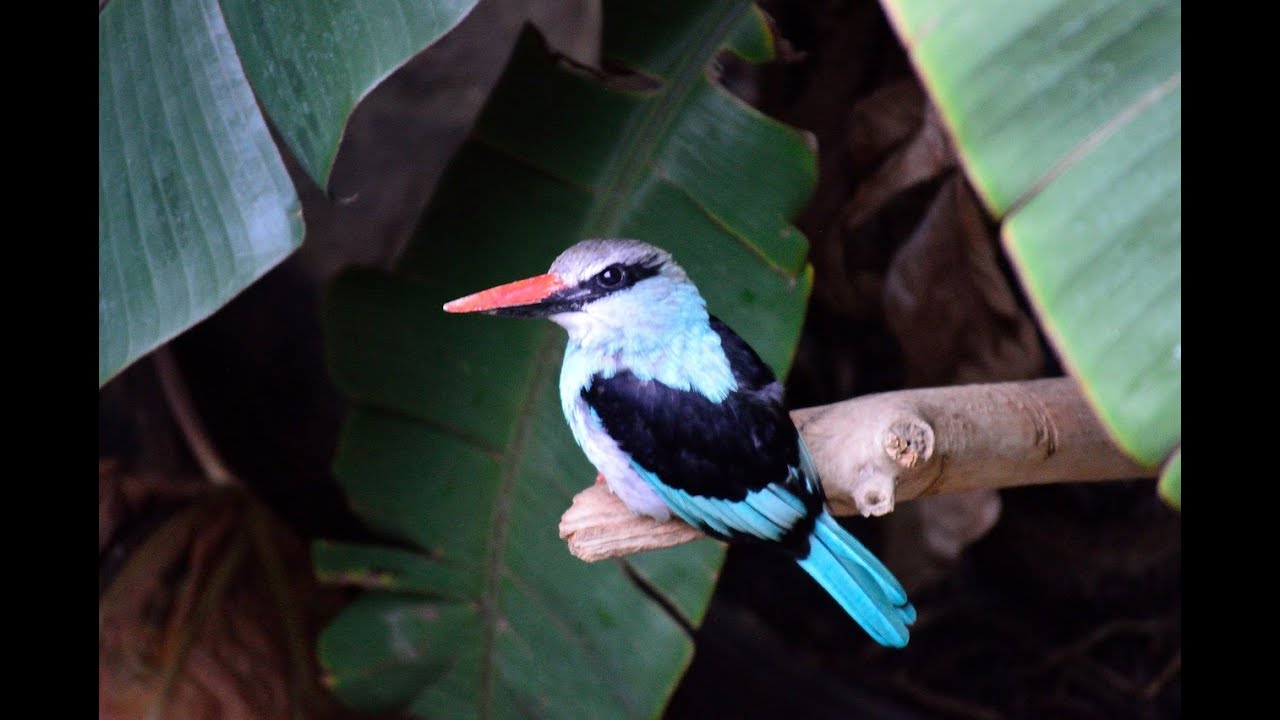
194, 203
456, 443
1067, 116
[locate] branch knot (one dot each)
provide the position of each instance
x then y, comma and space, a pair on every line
909, 442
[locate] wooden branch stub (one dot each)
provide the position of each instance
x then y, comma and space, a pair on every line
597, 526
875, 450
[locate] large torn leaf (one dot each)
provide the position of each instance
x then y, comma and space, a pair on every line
456, 442
194, 202
1067, 116
311, 61
193, 199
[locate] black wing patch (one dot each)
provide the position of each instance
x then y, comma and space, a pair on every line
750, 372
716, 450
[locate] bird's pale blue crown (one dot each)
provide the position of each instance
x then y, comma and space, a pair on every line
625, 304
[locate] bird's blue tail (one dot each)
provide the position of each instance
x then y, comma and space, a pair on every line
862, 585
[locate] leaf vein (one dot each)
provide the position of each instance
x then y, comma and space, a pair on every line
543, 363
1096, 138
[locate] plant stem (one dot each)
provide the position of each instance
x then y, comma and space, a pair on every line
184, 413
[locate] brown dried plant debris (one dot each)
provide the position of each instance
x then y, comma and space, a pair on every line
895, 152
207, 615
897, 141
940, 289
953, 311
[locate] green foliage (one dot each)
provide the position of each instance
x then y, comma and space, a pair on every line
311, 61
194, 202
1171, 480
1067, 116
456, 442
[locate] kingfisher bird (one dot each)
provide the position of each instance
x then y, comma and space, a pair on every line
680, 416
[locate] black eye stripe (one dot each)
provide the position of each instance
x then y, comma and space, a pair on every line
628, 274
611, 277
595, 287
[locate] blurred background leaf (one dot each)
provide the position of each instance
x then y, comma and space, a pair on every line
1067, 117
194, 201
456, 442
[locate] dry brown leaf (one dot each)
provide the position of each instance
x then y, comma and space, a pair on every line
924, 538
944, 296
952, 309
956, 319
896, 116
896, 147
882, 121
124, 498
189, 627
952, 522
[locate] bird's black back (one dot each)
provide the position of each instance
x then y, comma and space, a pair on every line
718, 450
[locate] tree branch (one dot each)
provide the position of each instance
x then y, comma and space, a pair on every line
875, 450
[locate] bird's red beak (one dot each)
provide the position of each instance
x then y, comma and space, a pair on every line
529, 291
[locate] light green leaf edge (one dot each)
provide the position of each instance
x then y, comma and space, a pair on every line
1067, 116
193, 199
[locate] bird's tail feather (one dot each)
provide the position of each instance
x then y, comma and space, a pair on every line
862, 585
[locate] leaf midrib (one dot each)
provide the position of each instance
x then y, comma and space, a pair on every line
543, 364
610, 681
1095, 139
635, 162
637, 156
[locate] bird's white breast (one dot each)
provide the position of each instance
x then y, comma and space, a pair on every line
601, 449
614, 464
690, 360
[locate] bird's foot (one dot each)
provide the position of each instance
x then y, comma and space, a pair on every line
599, 478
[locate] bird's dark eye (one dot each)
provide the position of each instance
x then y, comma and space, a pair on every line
611, 276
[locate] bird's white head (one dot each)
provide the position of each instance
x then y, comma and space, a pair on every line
604, 292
